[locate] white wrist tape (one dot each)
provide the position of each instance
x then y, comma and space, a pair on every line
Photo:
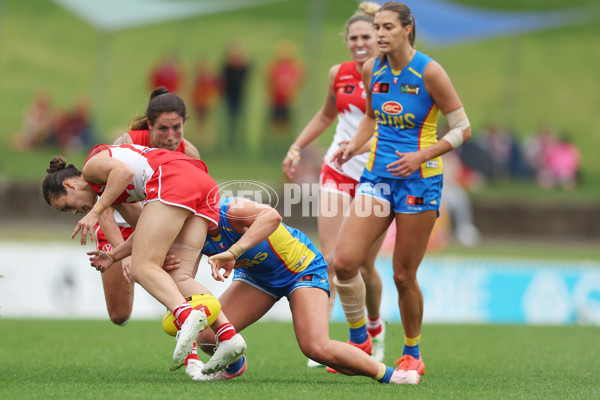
454, 137
457, 120
294, 153
236, 250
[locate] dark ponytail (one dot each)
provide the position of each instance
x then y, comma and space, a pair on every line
413, 33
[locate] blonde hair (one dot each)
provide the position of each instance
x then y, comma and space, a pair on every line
367, 8
366, 12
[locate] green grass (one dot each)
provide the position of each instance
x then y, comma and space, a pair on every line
523, 81
94, 359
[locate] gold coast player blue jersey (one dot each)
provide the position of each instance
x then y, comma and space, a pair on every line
406, 116
278, 260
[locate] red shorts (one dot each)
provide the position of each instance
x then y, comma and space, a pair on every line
183, 184
333, 181
103, 244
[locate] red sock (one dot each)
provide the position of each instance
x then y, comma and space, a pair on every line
181, 313
374, 326
225, 332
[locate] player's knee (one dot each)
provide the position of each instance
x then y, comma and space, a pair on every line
404, 280
181, 279
205, 342
315, 351
118, 318
345, 267
329, 257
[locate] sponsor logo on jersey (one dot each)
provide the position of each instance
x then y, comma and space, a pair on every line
381, 87
432, 164
306, 278
414, 200
392, 107
348, 89
300, 262
407, 88
345, 77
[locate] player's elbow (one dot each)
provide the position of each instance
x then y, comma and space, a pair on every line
466, 134
274, 218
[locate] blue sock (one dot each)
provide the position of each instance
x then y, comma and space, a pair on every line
359, 335
235, 366
386, 377
412, 350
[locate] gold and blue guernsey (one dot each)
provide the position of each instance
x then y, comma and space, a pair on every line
406, 116
285, 261
406, 120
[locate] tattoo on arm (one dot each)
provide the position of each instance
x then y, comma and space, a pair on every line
123, 139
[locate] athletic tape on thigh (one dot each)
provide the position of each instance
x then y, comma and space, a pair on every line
187, 254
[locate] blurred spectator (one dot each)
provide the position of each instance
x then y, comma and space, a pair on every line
37, 123
496, 154
456, 201
555, 160
167, 72
206, 90
285, 74
72, 130
234, 74
536, 148
563, 161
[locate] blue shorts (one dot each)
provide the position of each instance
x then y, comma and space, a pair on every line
406, 196
313, 276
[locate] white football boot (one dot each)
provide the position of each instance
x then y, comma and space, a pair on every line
193, 367
226, 352
313, 364
194, 323
401, 377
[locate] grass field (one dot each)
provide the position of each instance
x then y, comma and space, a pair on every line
96, 360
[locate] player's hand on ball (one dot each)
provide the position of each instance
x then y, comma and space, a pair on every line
100, 260
226, 261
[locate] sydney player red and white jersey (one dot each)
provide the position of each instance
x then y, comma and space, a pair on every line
351, 104
144, 161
